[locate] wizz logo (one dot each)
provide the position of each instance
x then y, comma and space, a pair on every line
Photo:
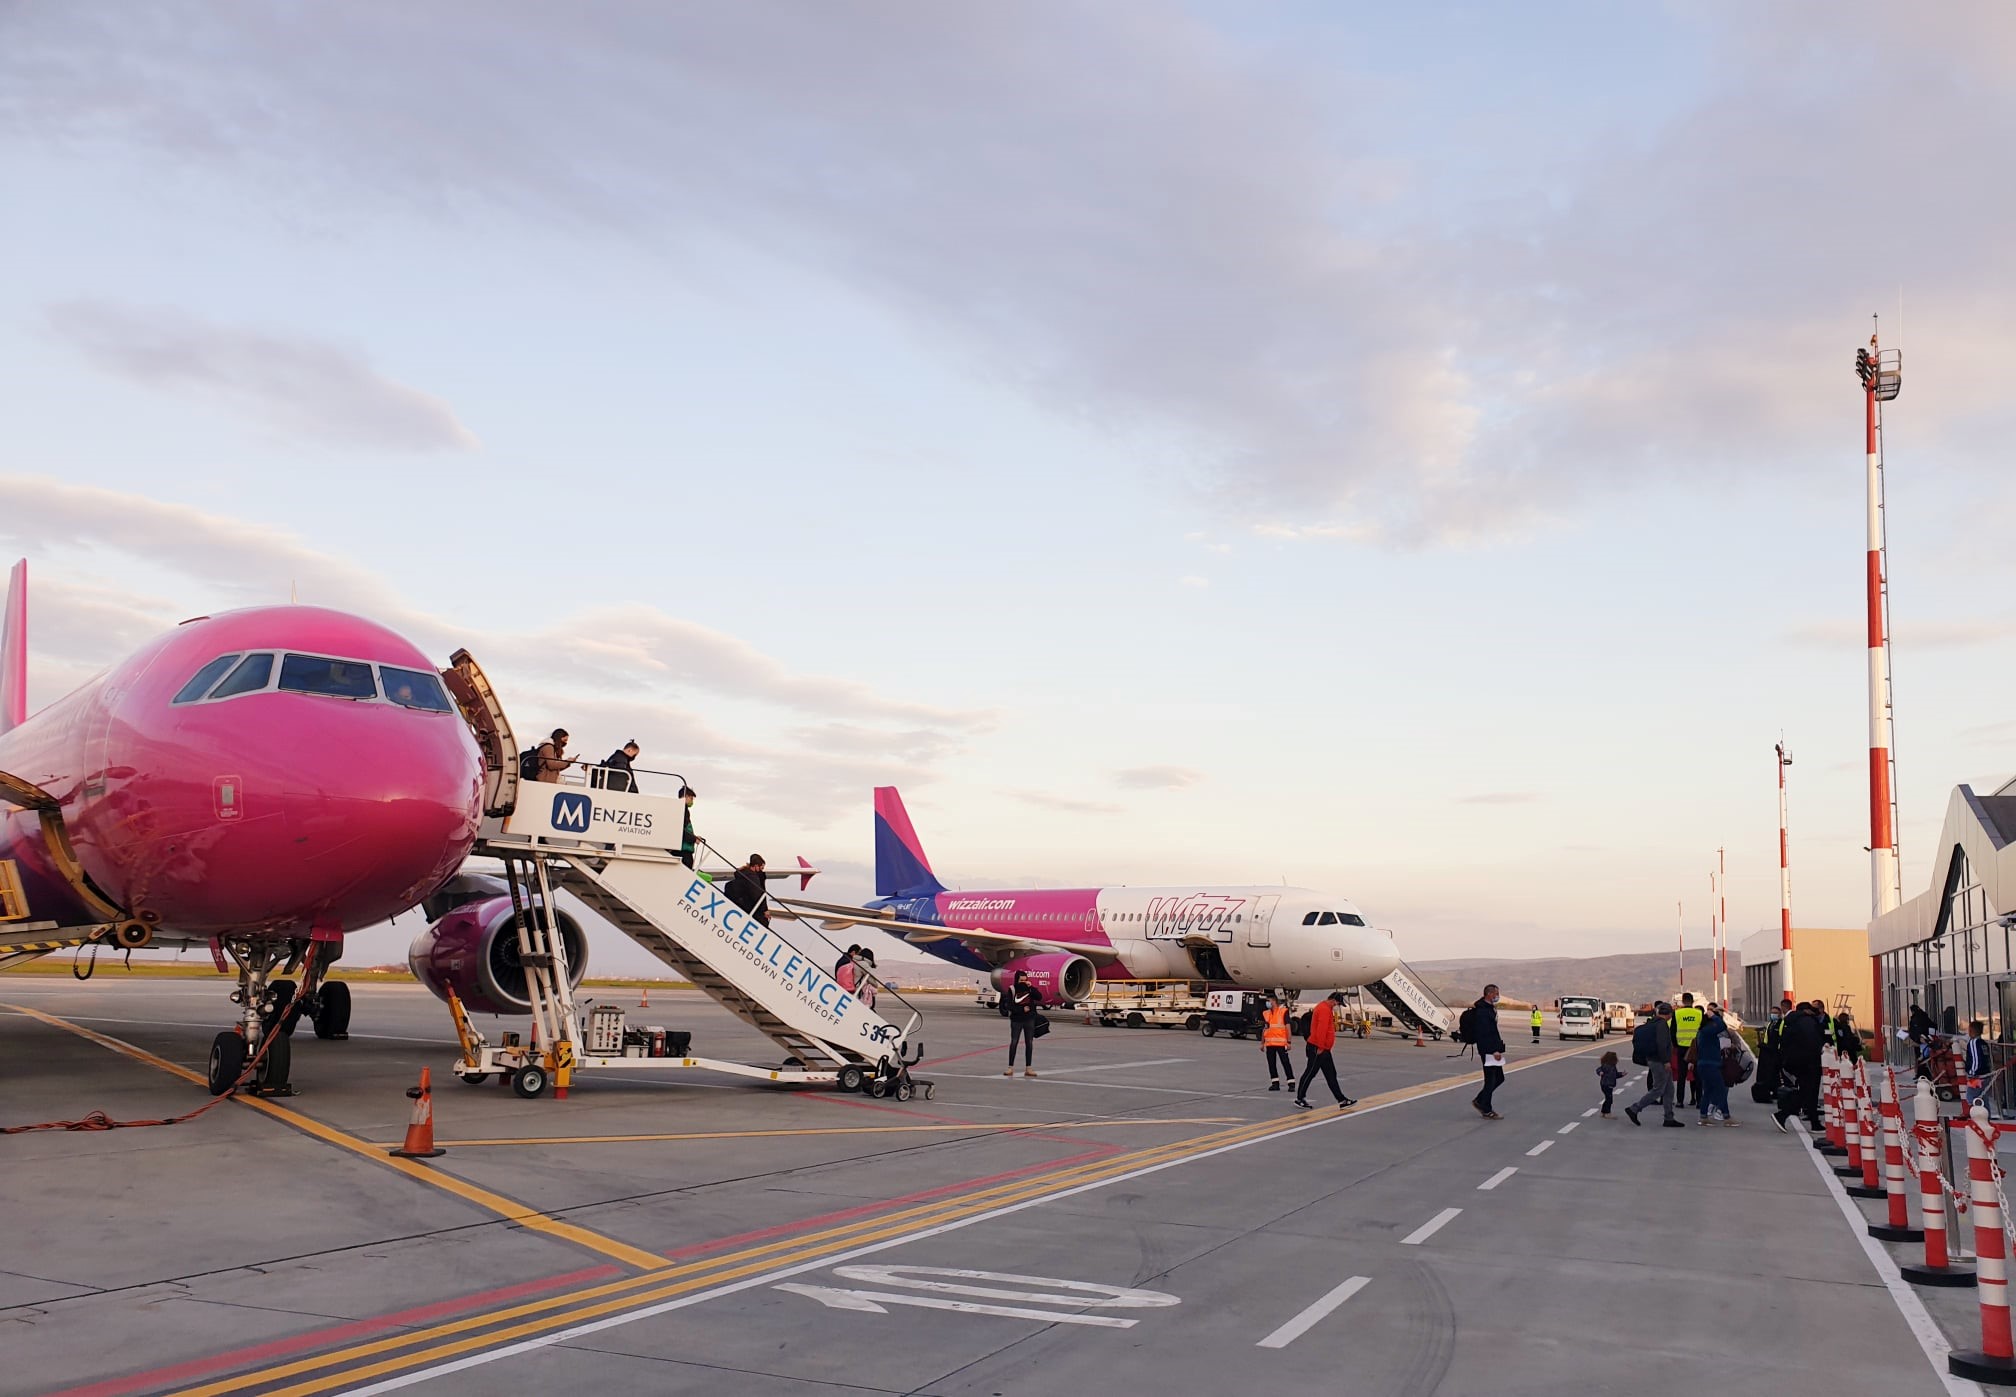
572, 811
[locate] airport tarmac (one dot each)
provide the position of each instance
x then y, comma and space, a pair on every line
1145, 1208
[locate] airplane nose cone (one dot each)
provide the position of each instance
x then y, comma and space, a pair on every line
1380, 953
395, 819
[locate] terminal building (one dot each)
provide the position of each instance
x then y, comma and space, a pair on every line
1828, 963
1949, 948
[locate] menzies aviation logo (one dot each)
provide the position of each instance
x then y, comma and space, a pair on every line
574, 812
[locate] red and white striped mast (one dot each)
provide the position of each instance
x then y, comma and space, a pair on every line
1882, 375
1722, 922
1784, 880
1680, 913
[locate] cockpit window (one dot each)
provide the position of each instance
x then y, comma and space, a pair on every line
1308, 919
199, 684
1350, 919
1327, 919
251, 675
414, 688
312, 674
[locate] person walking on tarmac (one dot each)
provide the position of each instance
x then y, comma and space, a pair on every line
1799, 1043
1274, 1041
1024, 1008
746, 889
1479, 1027
1686, 1027
1536, 1023
1652, 1048
1322, 1038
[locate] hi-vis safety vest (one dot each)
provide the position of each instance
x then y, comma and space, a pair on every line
1275, 1034
1536, 1018
1686, 1025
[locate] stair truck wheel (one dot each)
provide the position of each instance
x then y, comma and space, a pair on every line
852, 1078
530, 1081
1193, 1023
227, 1060
332, 1016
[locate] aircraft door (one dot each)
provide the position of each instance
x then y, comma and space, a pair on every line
485, 716
1259, 926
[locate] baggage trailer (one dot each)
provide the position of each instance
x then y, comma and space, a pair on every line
1146, 1004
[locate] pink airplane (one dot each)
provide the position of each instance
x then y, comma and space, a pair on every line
254, 783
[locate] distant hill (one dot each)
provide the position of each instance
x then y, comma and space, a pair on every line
1634, 978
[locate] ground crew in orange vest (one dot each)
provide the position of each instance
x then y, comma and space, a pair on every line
1274, 1039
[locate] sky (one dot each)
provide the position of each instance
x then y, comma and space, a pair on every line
1410, 451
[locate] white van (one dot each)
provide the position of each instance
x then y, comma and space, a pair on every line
1582, 1016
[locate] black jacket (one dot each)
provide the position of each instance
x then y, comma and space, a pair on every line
746, 891
616, 774
1484, 1034
1801, 1039
1653, 1041
1024, 1003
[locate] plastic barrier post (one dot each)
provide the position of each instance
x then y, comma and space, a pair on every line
1926, 1128
1891, 1115
1995, 1362
1863, 1138
1837, 1132
1831, 1139
1851, 1122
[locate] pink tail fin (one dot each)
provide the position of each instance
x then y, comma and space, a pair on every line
14, 650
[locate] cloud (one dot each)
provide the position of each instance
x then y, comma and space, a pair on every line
1919, 635
1143, 220
1065, 804
302, 387
1157, 778
624, 671
1501, 798
1195, 583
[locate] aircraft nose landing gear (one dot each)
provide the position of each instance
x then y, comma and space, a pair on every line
269, 1011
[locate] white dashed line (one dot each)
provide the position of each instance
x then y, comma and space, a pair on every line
1430, 1228
1568, 1127
1302, 1323
1498, 1178
1590, 1112
1541, 1148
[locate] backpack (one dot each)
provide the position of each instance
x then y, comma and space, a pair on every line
1643, 1039
1465, 1030
528, 764
1300, 1026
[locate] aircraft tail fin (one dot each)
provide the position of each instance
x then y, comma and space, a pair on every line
901, 869
14, 650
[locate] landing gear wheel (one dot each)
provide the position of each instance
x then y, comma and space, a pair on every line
276, 1065
530, 1082
286, 1019
878, 1088
1210, 1030
852, 1078
332, 1016
475, 1079
227, 1060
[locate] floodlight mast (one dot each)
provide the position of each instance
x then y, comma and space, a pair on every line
1882, 374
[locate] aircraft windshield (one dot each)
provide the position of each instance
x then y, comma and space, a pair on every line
200, 683
414, 688
251, 675
312, 674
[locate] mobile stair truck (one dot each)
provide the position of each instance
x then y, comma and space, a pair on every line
618, 852
1407, 997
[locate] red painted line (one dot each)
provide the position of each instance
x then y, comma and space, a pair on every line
325, 1338
860, 1210
956, 1056
911, 1112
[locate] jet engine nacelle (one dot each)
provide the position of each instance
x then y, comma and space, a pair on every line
1059, 976
473, 950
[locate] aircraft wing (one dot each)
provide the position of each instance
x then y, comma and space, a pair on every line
1001, 943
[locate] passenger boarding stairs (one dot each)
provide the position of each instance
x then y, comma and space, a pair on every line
1407, 997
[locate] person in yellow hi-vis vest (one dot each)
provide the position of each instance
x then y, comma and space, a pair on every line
1686, 1027
1536, 1023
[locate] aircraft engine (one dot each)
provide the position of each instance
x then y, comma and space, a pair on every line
1059, 976
473, 950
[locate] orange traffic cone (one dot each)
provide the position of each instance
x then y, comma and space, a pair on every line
645, 1002
420, 1130
1419, 1041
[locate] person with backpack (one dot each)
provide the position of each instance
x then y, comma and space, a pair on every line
1479, 1029
1322, 1038
615, 773
1707, 1052
748, 889
1652, 1049
1799, 1044
546, 761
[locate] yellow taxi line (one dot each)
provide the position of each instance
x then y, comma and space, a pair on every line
976, 1127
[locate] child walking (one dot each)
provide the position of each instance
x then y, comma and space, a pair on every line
1607, 1075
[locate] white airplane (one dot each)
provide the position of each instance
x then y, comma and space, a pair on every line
1252, 935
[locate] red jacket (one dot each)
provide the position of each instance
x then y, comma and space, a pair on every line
1323, 1025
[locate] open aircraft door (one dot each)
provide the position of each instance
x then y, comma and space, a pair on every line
1259, 927
485, 715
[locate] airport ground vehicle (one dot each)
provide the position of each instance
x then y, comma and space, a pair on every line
1582, 1016
1146, 1003
1235, 1012
1619, 1017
